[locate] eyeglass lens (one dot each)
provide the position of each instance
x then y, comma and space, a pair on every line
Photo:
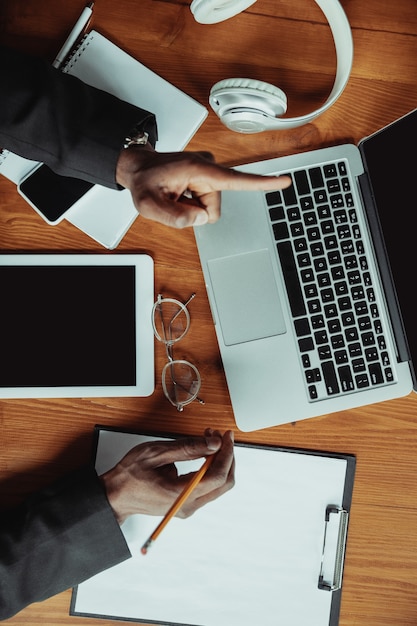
171, 320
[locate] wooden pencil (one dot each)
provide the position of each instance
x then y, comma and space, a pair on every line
184, 495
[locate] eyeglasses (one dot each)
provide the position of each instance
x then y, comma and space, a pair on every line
181, 380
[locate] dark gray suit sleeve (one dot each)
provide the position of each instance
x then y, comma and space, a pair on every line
56, 539
55, 118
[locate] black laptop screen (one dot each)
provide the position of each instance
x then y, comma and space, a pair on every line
67, 326
392, 172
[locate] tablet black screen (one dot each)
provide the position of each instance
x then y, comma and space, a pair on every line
67, 326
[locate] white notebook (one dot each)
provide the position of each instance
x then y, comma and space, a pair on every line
105, 214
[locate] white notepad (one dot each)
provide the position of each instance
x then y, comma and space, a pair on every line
105, 214
253, 556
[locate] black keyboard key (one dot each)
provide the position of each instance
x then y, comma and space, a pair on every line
307, 275
348, 319
330, 310
345, 184
293, 214
330, 170
375, 372
337, 201
338, 341
311, 290
306, 203
389, 375
316, 177
317, 321
371, 354
280, 231
368, 339
297, 229
291, 279
302, 183
302, 327
341, 287
385, 358
330, 378
314, 306
300, 245
364, 323
334, 257
358, 365
316, 249
357, 293
306, 360
320, 196
333, 185
303, 260
340, 356
362, 380
355, 350
330, 243
344, 303
289, 196
323, 211
324, 352
327, 227
276, 214
306, 344
324, 279
320, 337
342, 168
346, 380
340, 216
334, 326
321, 265
273, 197
351, 334
310, 218
361, 307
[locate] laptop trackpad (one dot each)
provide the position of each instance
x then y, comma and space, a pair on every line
246, 297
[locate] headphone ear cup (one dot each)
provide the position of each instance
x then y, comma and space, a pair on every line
247, 105
213, 11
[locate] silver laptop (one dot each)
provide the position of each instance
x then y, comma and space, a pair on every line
310, 287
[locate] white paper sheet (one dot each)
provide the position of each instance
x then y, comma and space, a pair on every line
251, 557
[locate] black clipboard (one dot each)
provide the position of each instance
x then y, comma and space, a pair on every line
168, 579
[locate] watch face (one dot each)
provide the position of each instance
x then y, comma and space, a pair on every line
138, 138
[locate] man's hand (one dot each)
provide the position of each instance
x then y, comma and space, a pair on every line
183, 188
146, 480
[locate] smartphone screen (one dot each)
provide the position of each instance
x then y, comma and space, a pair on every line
51, 194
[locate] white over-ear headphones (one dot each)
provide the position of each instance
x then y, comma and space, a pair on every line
251, 106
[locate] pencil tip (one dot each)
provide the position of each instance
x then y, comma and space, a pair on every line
146, 545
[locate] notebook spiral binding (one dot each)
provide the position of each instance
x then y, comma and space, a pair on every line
76, 51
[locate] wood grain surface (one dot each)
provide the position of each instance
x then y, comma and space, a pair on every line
289, 44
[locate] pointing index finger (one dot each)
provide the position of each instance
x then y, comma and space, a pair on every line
244, 181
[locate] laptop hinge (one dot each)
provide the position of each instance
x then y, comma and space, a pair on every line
385, 272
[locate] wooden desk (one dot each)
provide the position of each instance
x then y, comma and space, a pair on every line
275, 40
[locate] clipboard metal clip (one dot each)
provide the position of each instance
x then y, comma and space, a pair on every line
334, 546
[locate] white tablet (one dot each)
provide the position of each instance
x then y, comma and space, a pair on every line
76, 325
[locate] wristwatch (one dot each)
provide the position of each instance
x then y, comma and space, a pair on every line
136, 138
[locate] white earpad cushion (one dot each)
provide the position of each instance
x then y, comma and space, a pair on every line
213, 11
248, 92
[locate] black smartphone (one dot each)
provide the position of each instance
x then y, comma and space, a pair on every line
50, 194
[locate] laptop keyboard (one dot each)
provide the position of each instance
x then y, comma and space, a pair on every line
336, 319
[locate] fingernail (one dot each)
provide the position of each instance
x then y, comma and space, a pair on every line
201, 218
213, 443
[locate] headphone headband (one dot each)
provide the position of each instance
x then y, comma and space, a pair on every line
234, 103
